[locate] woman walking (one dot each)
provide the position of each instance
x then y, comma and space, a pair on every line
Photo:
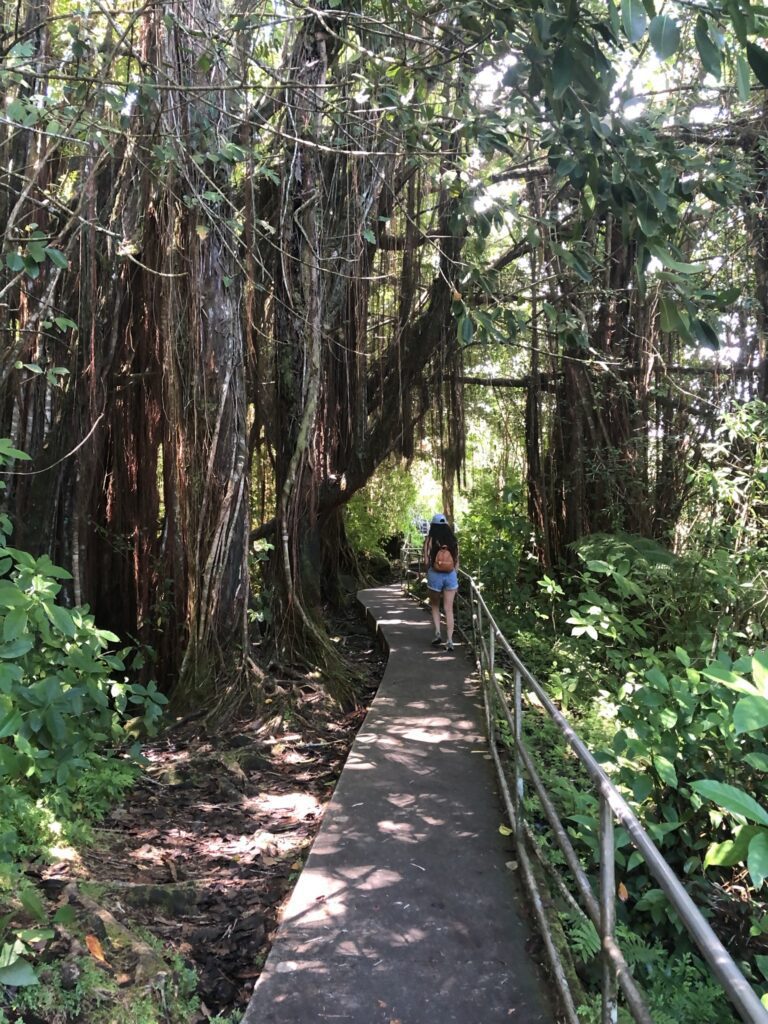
441, 560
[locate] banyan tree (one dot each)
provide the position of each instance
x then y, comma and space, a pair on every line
229, 243
248, 247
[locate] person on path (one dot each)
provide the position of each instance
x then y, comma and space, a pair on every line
442, 582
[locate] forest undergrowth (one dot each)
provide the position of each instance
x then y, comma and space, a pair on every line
166, 911
659, 659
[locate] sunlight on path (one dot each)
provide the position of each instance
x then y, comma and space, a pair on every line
406, 910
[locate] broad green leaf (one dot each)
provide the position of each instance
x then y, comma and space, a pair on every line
705, 333
656, 676
36, 934
14, 261
671, 319
682, 656
20, 974
750, 714
597, 565
9, 452
731, 799
56, 726
10, 951
57, 258
11, 764
613, 18
743, 79
642, 787
16, 110
668, 718
647, 221
760, 672
562, 72
708, 51
757, 761
732, 851
22, 557
758, 61
16, 648
665, 36
36, 251
11, 596
732, 680
666, 770
671, 263
107, 636
10, 675
33, 904
47, 568
757, 860
633, 19
573, 261
61, 618
721, 855
15, 624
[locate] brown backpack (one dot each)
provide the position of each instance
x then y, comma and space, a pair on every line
443, 560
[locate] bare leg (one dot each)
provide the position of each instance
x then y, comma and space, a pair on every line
448, 596
434, 607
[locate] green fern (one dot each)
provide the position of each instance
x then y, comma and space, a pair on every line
582, 936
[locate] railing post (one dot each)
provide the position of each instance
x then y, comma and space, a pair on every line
490, 686
491, 651
607, 911
519, 780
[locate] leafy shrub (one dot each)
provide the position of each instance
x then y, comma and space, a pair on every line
495, 536
62, 693
66, 705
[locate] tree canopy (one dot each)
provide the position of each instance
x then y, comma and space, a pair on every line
251, 251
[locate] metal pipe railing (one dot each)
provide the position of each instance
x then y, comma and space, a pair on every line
487, 639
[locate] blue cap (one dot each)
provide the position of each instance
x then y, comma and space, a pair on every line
439, 518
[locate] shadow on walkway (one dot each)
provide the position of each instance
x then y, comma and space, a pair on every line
406, 911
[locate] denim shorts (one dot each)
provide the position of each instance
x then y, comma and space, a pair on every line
440, 581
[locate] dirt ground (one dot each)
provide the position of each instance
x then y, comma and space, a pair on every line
208, 845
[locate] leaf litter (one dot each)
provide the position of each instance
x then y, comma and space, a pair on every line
201, 855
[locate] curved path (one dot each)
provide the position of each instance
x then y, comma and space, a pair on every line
406, 911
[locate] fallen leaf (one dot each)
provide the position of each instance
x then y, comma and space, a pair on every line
623, 892
512, 865
94, 948
505, 830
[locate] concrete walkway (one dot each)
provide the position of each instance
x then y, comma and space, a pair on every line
406, 912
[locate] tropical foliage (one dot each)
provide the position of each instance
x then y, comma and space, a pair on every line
252, 257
